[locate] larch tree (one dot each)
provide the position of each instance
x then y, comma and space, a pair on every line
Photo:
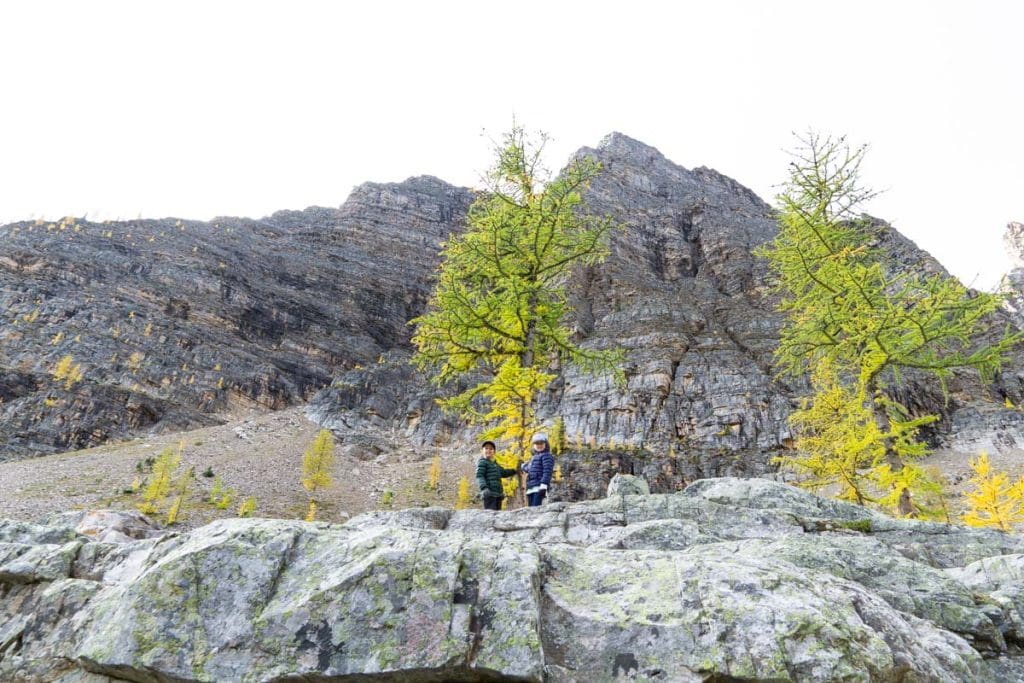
993, 500
497, 316
854, 323
317, 465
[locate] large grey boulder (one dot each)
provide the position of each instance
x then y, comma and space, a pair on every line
728, 580
628, 485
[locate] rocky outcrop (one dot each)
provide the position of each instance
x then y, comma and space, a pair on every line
1013, 282
728, 580
686, 298
173, 322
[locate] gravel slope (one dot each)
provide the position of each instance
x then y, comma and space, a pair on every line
260, 455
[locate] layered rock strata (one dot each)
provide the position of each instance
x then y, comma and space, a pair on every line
172, 322
684, 295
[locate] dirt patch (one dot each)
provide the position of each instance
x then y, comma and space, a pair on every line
259, 455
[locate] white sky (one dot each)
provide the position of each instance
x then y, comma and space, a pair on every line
197, 109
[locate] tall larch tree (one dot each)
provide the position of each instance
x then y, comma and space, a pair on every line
854, 322
497, 317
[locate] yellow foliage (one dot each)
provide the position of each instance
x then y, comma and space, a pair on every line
464, 499
556, 436
248, 507
216, 491
511, 395
434, 478
160, 481
840, 443
509, 459
556, 475
1007, 402
311, 511
317, 463
135, 361
220, 496
57, 339
67, 371
179, 500
994, 502
149, 329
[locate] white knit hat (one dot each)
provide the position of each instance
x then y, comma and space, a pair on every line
540, 436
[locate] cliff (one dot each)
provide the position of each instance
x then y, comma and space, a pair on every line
175, 323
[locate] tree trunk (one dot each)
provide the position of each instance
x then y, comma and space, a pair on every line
525, 361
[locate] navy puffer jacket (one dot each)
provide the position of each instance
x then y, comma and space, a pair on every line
539, 469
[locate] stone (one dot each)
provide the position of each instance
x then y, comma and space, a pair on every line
628, 485
729, 579
176, 321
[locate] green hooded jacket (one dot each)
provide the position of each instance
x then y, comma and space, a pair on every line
489, 475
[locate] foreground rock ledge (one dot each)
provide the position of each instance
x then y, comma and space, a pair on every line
729, 580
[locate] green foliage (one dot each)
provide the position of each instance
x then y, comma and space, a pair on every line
179, 500
317, 463
854, 322
843, 301
556, 436
220, 496
160, 480
248, 507
500, 303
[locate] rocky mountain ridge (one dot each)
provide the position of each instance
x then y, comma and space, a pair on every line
729, 580
177, 323
173, 322
684, 295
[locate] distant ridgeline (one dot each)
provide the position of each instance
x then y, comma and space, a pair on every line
172, 324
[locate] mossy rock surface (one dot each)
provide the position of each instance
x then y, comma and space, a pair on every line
727, 580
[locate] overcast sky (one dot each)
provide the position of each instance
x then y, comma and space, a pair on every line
198, 109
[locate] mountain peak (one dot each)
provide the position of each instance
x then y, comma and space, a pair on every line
621, 146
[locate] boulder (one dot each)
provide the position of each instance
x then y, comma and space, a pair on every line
727, 580
628, 485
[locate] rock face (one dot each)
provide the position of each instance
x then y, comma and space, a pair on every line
1013, 282
683, 294
728, 580
175, 321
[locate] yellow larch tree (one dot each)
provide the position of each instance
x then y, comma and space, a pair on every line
317, 463
994, 501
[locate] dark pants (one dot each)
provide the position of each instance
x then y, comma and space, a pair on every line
535, 499
492, 503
